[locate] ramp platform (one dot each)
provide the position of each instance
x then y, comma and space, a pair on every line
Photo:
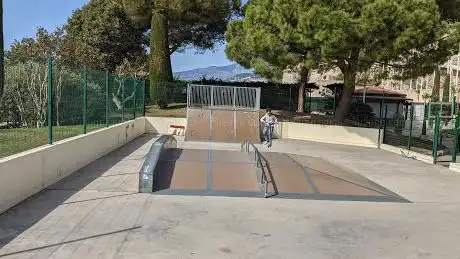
222, 125
232, 173
223, 114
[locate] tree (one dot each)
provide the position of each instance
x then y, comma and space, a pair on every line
354, 35
446, 89
175, 25
26, 77
100, 35
395, 33
267, 39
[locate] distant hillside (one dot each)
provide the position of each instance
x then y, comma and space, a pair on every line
225, 73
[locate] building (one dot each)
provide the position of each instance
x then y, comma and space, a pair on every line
417, 89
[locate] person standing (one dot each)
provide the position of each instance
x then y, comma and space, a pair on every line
268, 121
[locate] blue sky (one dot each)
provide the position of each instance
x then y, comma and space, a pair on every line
22, 17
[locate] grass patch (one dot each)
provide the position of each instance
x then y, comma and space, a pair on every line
177, 110
13, 141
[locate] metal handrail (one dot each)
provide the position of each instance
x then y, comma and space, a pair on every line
245, 147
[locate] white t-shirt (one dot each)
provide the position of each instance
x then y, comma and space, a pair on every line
268, 119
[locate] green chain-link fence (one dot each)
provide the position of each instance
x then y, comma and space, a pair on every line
428, 129
76, 100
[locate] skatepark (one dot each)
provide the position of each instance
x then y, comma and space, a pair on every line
156, 195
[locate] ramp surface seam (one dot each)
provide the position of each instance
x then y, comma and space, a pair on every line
209, 172
306, 174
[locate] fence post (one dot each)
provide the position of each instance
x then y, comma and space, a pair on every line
455, 146
143, 98
107, 98
409, 144
380, 123
290, 103
454, 104
333, 105
85, 92
50, 101
436, 138
123, 100
385, 123
135, 91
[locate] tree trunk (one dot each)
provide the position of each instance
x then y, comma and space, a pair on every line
345, 100
304, 72
160, 62
2, 54
446, 89
168, 55
436, 86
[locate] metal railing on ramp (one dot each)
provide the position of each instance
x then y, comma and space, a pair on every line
260, 164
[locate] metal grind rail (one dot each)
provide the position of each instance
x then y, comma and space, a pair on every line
260, 163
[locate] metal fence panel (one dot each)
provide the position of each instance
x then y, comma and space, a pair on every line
223, 97
66, 102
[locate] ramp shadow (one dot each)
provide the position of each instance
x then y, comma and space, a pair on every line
165, 169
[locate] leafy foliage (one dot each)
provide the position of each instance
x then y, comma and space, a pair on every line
101, 35
197, 23
24, 103
353, 35
175, 25
361, 112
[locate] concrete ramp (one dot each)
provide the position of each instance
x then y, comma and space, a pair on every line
206, 172
315, 178
198, 125
222, 125
233, 173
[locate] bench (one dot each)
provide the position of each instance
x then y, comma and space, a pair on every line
178, 130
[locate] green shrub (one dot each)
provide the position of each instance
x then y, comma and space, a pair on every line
361, 112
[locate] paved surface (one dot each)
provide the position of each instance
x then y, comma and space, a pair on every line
97, 214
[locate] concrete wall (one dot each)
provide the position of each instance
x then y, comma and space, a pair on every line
24, 174
161, 124
328, 134
290, 130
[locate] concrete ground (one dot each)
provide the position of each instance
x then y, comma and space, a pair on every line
97, 213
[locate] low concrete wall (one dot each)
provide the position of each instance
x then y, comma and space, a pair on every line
24, 174
328, 134
160, 125
289, 130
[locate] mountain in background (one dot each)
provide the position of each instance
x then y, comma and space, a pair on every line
235, 73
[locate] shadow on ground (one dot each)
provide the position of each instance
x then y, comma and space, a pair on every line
26, 214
